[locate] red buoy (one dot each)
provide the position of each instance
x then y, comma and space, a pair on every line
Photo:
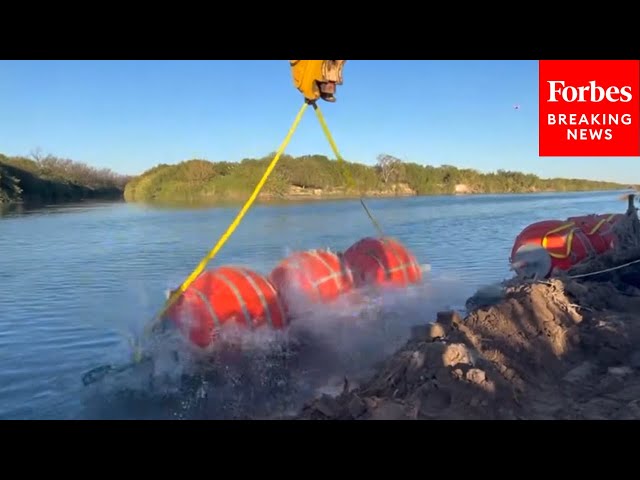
317, 276
224, 297
555, 244
382, 261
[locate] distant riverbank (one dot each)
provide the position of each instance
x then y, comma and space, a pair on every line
316, 177
51, 180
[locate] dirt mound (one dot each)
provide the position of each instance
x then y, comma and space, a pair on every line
536, 355
559, 349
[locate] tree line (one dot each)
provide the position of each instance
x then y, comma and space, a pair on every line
317, 175
47, 178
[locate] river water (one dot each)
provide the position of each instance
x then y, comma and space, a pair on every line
77, 281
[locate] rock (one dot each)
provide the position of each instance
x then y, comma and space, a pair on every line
477, 376
455, 354
437, 331
356, 407
579, 373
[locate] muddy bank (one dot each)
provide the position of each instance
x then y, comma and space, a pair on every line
566, 348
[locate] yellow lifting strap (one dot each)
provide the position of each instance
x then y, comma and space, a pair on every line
173, 297
345, 169
232, 227
601, 223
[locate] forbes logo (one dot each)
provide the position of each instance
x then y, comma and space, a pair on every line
589, 108
593, 91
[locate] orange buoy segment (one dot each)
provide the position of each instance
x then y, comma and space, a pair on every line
556, 244
382, 261
549, 244
226, 297
317, 276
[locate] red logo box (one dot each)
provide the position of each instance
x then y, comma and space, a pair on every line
589, 108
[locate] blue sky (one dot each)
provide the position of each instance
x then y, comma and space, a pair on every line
132, 115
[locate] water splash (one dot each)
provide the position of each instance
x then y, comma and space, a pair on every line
271, 374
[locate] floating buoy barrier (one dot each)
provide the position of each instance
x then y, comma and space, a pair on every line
382, 262
312, 276
545, 246
226, 297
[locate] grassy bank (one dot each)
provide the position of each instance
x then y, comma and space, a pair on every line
318, 177
48, 179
